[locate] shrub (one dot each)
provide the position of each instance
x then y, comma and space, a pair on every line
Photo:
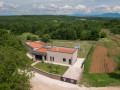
33, 38
28, 37
103, 35
46, 38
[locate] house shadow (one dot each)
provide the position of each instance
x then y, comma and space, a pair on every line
114, 75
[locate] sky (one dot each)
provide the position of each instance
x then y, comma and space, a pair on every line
58, 7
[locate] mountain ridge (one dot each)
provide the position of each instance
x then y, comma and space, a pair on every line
110, 15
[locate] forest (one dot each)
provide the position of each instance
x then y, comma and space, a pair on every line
57, 27
13, 52
13, 57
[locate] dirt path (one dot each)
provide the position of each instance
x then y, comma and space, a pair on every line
114, 38
40, 82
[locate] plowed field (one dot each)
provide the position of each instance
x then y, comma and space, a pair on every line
101, 63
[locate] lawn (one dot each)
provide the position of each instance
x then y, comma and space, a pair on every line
98, 79
84, 46
45, 67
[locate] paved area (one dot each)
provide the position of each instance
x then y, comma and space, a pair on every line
79, 62
40, 82
75, 71
35, 63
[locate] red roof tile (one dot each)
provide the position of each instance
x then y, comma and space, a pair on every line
36, 44
43, 50
62, 50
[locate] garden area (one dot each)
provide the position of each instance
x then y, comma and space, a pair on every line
51, 68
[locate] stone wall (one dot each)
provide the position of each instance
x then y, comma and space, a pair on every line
53, 76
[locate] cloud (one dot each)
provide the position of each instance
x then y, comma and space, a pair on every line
80, 7
102, 9
59, 6
66, 7
53, 6
116, 9
41, 7
12, 5
1, 4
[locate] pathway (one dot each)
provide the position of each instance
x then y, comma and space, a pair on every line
40, 82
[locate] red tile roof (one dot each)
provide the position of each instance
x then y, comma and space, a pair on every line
43, 50
62, 50
36, 44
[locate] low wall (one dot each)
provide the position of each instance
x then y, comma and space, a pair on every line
53, 76
82, 70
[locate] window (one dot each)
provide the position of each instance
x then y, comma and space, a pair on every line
51, 58
64, 59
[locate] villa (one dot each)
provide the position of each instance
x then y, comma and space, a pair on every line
44, 52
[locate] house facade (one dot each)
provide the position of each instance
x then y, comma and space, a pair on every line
43, 52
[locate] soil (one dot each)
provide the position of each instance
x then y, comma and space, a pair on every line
114, 38
101, 62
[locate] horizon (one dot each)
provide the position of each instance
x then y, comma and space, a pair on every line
58, 7
76, 15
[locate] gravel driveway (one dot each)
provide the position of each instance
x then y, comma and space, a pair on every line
40, 82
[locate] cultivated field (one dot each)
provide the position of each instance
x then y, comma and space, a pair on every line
101, 62
103, 59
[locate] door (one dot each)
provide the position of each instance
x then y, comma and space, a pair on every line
70, 61
38, 57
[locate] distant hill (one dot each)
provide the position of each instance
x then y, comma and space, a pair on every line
110, 15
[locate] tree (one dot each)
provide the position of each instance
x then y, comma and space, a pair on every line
103, 35
33, 38
85, 35
12, 58
94, 34
28, 37
46, 38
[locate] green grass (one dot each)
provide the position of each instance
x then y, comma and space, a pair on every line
98, 79
45, 67
84, 46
